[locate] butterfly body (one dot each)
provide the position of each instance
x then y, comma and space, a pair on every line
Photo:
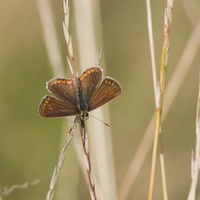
82, 101
79, 95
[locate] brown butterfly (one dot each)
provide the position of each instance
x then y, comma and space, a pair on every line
79, 95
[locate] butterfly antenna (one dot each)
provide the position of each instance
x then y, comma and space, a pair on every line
100, 120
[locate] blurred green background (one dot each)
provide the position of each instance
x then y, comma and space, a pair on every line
30, 145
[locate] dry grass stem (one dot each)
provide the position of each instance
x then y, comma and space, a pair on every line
151, 43
160, 100
50, 37
84, 138
7, 191
163, 174
81, 159
87, 16
195, 163
68, 38
57, 169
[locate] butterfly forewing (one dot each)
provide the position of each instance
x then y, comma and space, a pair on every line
63, 89
90, 80
52, 107
107, 91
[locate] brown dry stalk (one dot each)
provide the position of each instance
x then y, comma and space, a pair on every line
84, 138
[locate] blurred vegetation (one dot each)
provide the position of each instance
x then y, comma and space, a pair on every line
29, 145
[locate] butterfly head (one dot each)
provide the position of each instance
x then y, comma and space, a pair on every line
84, 115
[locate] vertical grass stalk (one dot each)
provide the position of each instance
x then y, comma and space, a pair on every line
159, 102
195, 163
84, 138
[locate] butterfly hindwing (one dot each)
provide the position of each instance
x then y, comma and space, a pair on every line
107, 91
52, 107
